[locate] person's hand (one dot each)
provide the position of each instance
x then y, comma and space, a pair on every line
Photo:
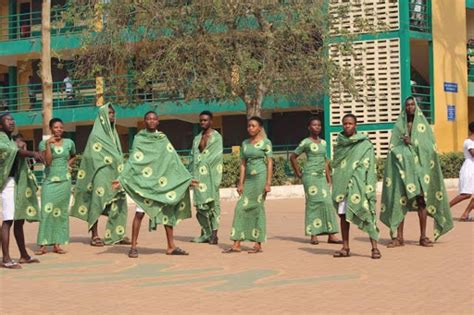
406, 140
268, 188
240, 189
51, 140
38, 157
116, 185
194, 183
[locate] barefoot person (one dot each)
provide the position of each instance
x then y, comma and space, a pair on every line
59, 155
320, 215
466, 176
156, 179
256, 169
412, 179
206, 168
354, 180
19, 188
102, 161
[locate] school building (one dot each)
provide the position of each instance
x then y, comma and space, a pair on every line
426, 49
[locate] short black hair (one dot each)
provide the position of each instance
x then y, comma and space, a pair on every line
350, 115
53, 121
313, 118
257, 119
150, 112
410, 98
206, 112
471, 126
4, 114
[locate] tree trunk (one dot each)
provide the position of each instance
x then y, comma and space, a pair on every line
46, 76
254, 106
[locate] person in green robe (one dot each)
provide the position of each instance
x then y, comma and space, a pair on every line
413, 180
354, 181
102, 161
59, 155
320, 215
256, 170
156, 179
206, 168
18, 185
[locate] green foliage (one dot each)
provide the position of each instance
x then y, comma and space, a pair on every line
231, 170
451, 163
380, 165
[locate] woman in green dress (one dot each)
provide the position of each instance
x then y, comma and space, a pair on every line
256, 168
59, 154
320, 215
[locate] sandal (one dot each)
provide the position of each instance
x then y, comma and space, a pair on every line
343, 253
125, 241
376, 253
11, 265
255, 250
178, 252
314, 242
97, 242
425, 242
467, 219
41, 251
133, 253
396, 242
30, 260
231, 250
334, 241
59, 251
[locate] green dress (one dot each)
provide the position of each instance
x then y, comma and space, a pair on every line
249, 222
206, 167
320, 215
55, 195
26, 203
156, 179
101, 163
354, 181
414, 170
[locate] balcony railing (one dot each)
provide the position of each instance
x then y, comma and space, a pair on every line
28, 25
420, 15
422, 94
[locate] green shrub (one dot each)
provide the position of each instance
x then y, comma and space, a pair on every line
380, 165
451, 163
231, 170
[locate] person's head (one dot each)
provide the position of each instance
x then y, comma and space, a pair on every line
8, 123
254, 126
471, 127
56, 126
410, 105
349, 124
19, 137
151, 121
315, 126
111, 114
205, 119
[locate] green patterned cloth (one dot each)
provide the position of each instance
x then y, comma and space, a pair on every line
354, 181
320, 215
102, 161
414, 170
156, 179
55, 195
206, 167
26, 203
249, 222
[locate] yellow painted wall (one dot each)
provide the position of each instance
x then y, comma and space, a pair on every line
3, 22
449, 52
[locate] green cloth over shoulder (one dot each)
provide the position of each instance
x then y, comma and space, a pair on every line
354, 180
26, 202
411, 171
101, 163
156, 179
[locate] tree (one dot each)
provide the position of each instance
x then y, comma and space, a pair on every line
213, 50
46, 75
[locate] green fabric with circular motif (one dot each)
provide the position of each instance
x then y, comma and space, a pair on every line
26, 202
354, 180
249, 222
320, 215
414, 170
102, 161
206, 167
55, 195
156, 179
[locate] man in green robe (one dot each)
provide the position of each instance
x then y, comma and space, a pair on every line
206, 168
413, 180
18, 185
101, 163
156, 179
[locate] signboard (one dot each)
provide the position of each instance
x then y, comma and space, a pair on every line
450, 87
451, 112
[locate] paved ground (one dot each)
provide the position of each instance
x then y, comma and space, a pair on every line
290, 276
